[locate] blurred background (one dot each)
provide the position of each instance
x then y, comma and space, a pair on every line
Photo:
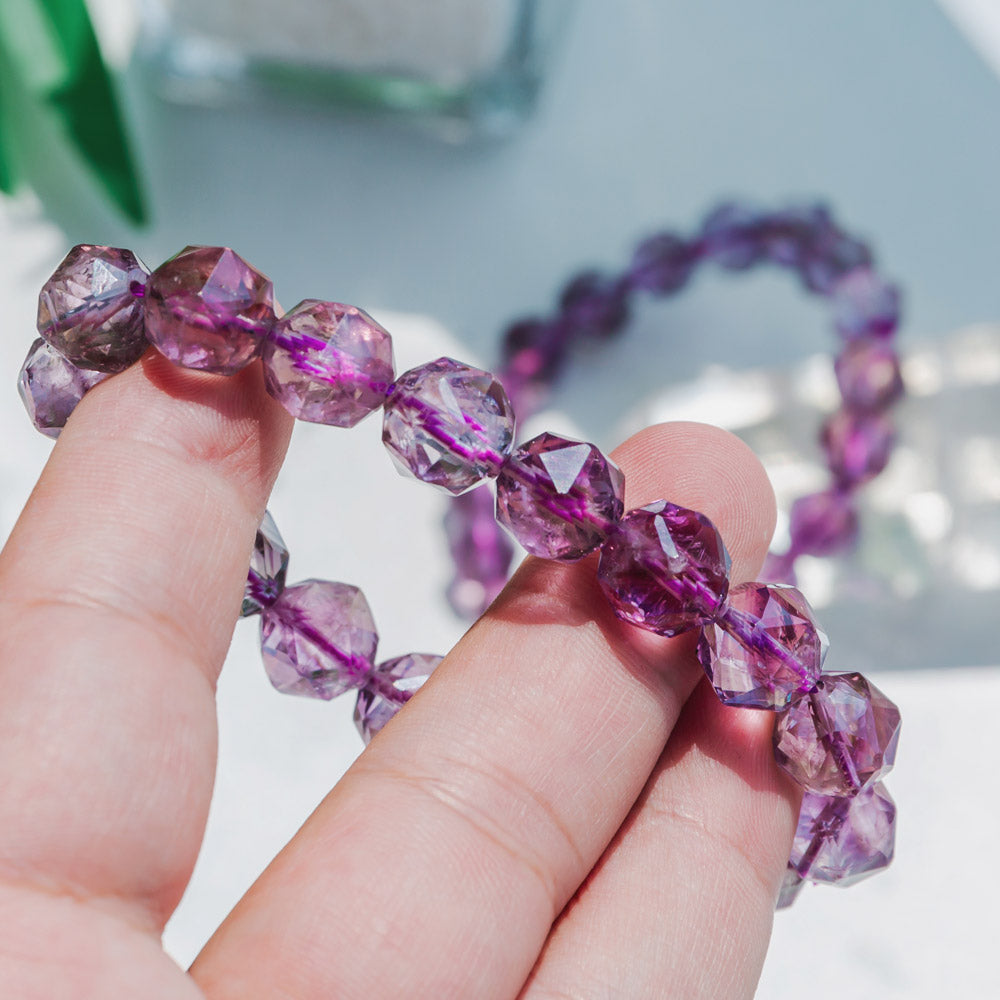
449, 172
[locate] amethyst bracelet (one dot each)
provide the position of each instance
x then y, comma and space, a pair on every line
662, 567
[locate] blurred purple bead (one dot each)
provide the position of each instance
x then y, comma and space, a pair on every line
664, 568
595, 304
858, 446
559, 497
318, 639
448, 424
791, 886
832, 256
268, 568
388, 688
90, 310
50, 387
536, 349
207, 308
662, 264
841, 738
865, 305
823, 524
765, 650
731, 237
843, 839
328, 363
789, 236
868, 375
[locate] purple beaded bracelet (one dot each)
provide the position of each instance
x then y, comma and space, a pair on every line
662, 567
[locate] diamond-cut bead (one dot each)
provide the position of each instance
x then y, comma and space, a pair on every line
765, 650
328, 363
857, 446
268, 567
318, 639
388, 688
50, 387
90, 310
207, 308
868, 375
865, 305
843, 839
448, 424
664, 568
558, 497
841, 738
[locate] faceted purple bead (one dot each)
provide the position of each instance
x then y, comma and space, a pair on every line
90, 310
664, 568
857, 445
318, 639
822, 524
732, 237
388, 688
791, 886
559, 497
868, 375
448, 424
50, 387
207, 308
268, 567
765, 650
328, 363
788, 236
663, 264
595, 304
536, 349
841, 738
830, 256
865, 305
843, 839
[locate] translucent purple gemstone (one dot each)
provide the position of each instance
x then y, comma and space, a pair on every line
50, 387
268, 568
857, 445
732, 237
765, 650
481, 551
787, 237
663, 264
832, 255
90, 310
388, 688
328, 363
448, 424
559, 497
843, 839
664, 568
868, 375
841, 738
207, 308
865, 305
791, 886
595, 304
822, 524
318, 639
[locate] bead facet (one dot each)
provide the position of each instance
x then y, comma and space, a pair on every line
841, 738
318, 639
328, 363
559, 497
207, 308
765, 650
390, 685
448, 424
268, 568
90, 310
664, 568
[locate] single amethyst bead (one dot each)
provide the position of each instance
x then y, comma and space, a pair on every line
732, 237
207, 308
559, 497
390, 685
664, 568
843, 839
765, 649
595, 304
662, 264
841, 738
50, 387
328, 363
448, 424
865, 305
823, 524
90, 310
318, 639
268, 568
787, 237
830, 256
857, 445
868, 375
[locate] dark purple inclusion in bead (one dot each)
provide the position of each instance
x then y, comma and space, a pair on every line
388, 688
90, 310
664, 568
448, 424
843, 839
268, 568
207, 308
840, 739
559, 497
50, 387
857, 445
868, 375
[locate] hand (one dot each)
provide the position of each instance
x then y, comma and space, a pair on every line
519, 830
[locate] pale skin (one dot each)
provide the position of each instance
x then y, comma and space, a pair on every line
564, 811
